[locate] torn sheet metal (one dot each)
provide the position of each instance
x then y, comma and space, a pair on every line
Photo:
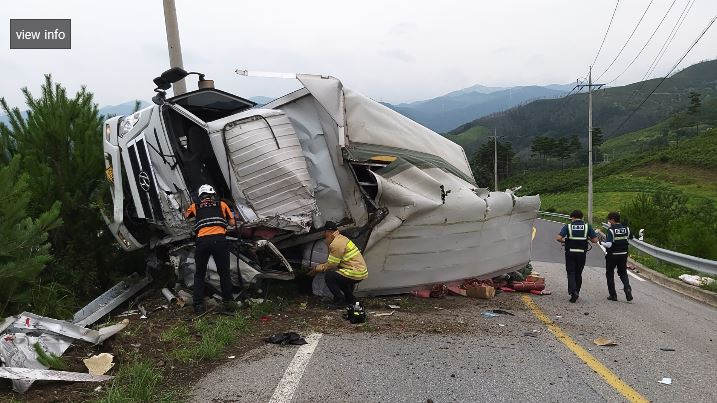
110, 300
17, 350
29, 375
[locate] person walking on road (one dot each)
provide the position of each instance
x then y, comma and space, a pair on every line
575, 236
212, 219
344, 268
616, 247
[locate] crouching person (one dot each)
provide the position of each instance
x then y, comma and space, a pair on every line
345, 266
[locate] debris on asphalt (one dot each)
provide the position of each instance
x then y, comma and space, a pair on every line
534, 333
501, 325
483, 291
667, 349
489, 314
231, 357
292, 338
603, 342
666, 381
384, 313
99, 364
391, 306
558, 316
501, 312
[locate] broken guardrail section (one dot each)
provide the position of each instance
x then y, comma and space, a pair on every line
22, 334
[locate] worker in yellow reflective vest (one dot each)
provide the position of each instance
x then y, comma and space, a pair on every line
345, 266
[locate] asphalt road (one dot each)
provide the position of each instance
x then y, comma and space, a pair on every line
494, 359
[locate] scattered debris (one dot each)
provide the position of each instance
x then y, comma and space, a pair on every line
489, 314
185, 296
391, 306
32, 374
696, 280
501, 325
501, 312
603, 342
483, 291
143, 310
558, 316
666, 381
667, 349
384, 313
303, 306
99, 364
231, 357
286, 338
256, 300
131, 312
531, 334
170, 297
265, 319
99, 388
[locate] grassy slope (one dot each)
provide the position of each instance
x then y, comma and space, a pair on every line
690, 168
471, 138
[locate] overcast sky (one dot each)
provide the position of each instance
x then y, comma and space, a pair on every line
392, 51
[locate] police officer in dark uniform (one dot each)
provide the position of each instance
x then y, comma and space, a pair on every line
212, 219
616, 245
575, 237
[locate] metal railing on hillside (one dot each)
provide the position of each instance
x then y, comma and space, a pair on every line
680, 259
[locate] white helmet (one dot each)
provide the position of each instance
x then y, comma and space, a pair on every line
206, 189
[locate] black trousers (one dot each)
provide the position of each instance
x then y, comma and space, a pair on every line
217, 247
341, 287
574, 265
619, 261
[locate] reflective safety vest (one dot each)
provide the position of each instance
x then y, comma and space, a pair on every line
209, 214
577, 239
347, 256
619, 236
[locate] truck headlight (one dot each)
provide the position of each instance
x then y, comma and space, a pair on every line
127, 123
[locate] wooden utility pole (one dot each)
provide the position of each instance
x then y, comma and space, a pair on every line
590, 86
175, 48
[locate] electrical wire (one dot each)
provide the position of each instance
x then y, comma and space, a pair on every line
626, 42
646, 43
608, 30
667, 75
678, 24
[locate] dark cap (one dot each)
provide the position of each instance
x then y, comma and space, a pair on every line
330, 226
613, 215
576, 214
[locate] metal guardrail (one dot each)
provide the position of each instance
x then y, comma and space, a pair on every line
680, 259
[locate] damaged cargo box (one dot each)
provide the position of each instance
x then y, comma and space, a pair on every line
405, 194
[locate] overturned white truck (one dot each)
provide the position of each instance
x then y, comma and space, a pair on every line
403, 193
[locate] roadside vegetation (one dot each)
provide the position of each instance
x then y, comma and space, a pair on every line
56, 253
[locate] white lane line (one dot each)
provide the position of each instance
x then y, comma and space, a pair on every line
284, 391
629, 273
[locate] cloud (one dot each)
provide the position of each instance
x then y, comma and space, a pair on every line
398, 54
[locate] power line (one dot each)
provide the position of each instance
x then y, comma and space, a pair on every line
608, 30
626, 42
672, 36
667, 75
673, 33
646, 43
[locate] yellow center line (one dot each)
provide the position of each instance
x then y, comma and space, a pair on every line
592, 362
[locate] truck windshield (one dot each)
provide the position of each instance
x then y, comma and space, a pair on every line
212, 104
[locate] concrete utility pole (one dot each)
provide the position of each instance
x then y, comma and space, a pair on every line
495, 157
590, 86
175, 48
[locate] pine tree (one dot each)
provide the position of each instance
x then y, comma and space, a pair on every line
24, 250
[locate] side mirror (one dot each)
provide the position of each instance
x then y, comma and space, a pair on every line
161, 83
173, 75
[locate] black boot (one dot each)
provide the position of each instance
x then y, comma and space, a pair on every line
628, 294
574, 297
612, 297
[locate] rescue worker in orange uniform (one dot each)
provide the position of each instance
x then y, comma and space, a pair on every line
212, 219
344, 268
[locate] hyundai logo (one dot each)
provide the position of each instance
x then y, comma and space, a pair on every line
143, 179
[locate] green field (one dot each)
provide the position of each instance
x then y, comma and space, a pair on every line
690, 168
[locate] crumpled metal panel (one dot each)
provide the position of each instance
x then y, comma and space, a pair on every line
270, 167
425, 241
110, 300
17, 350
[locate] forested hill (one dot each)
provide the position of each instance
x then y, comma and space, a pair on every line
568, 116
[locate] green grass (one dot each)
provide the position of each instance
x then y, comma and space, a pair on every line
139, 382
207, 338
202, 340
603, 203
